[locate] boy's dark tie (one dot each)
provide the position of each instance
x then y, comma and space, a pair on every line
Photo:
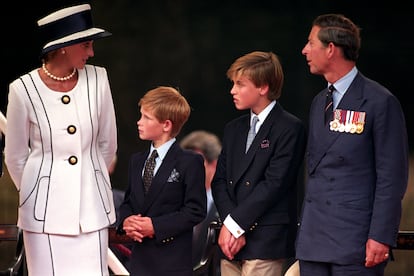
329, 104
149, 170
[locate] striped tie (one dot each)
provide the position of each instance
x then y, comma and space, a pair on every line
329, 104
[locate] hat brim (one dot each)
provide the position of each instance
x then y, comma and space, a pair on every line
90, 34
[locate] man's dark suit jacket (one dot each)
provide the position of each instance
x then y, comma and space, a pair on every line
356, 182
258, 189
176, 202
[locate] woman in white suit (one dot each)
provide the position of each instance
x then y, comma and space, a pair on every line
61, 138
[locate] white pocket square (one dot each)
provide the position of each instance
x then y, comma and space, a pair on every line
174, 176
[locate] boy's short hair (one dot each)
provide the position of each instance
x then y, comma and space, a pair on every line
166, 103
262, 68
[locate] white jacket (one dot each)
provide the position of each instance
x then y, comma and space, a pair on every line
57, 150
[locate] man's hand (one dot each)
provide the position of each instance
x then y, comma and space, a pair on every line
375, 252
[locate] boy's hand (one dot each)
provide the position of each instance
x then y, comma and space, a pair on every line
138, 227
229, 244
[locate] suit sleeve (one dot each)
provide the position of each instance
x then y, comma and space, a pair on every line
222, 199
17, 139
391, 159
107, 122
126, 208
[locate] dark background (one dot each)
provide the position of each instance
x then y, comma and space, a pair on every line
190, 44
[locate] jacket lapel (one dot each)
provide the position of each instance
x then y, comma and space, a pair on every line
161, 176
246, 158
352, 100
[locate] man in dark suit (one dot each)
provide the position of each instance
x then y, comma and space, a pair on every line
209, 146
357, 161
254, 187
166, 199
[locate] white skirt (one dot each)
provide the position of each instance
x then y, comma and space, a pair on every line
60, 255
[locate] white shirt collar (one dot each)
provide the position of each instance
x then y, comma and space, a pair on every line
262, 115
163, 149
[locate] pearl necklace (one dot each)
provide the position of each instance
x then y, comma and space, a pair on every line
50, 75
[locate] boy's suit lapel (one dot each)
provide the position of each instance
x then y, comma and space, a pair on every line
238, 156
161, 177
246, 158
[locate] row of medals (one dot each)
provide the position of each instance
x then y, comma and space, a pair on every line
348, 121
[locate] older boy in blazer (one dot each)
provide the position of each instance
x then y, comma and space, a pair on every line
161, 217
254, 187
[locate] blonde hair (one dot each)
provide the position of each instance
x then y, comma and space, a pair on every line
166, 103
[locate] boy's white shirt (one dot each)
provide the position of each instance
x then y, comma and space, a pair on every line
162, 152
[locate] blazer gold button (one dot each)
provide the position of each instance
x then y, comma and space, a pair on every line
247, 183
65, 99
73, 160
71, 129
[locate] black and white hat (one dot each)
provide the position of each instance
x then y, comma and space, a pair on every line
68, 26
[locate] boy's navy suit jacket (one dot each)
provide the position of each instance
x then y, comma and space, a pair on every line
259, 188
176, 202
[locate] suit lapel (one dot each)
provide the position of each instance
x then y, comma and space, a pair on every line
161, 176
352, 100
246, 158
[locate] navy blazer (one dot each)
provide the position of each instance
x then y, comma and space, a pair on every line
356, 182
176, 202
258, 188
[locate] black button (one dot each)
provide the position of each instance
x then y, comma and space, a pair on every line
65, 99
